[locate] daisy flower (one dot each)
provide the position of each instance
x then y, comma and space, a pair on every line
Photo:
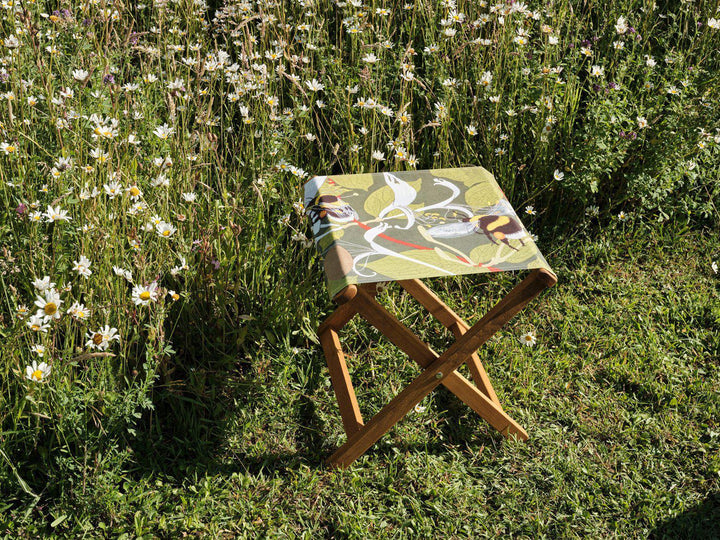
82, 266
165, 229
43, 284
123, 273
49, 304
163, 132
143, 295
37, 372
134, 192
37, 323
79, 312
53, 214
528, 339
39, 350
102, 338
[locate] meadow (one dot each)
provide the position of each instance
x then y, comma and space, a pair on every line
159, 292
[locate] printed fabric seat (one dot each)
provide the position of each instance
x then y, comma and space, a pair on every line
405, 226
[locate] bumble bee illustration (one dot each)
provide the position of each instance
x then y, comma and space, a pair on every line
332, 207
502, 228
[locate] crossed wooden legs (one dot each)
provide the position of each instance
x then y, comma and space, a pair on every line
438, 369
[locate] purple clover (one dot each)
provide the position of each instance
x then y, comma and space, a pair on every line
21, 210
109, 79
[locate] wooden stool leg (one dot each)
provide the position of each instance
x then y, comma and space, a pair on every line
344, 392
443, 367
452, 321
402, 337
477, 370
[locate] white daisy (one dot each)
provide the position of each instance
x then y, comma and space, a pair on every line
142, 296
528, 339
37, 372
82, 266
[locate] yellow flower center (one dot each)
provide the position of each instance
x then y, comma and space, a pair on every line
37, 375
166, 233
50, 308
145, 295
35, 327
134, 191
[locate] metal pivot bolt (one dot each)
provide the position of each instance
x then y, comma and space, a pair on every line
439, 375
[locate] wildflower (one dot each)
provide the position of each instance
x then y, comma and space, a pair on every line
8, 148
471, 129
370, 58
121, 272
528, 339
112, 189
621, 26
78, 311
486, 79
38, 349
673, 90
144, 295
622, 216
37, 372
37, 323
378, 155
642, 122
43, 284
56, 214
82, 266
715, 267
530, 210
558, 175
189, 197
183, 264
134, 191
102, 338
315, 85
714, 24
175, 296
165, 229
80, 75
163, 132
49, 304
597, 71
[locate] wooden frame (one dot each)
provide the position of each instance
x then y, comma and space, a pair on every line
438, 368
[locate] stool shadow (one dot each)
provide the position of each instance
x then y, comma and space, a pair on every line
697, 523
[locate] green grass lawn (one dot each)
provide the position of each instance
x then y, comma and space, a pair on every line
620, 396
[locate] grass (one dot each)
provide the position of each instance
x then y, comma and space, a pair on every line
620, 397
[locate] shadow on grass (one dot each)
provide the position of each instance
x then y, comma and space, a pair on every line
699, 522
190, 432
